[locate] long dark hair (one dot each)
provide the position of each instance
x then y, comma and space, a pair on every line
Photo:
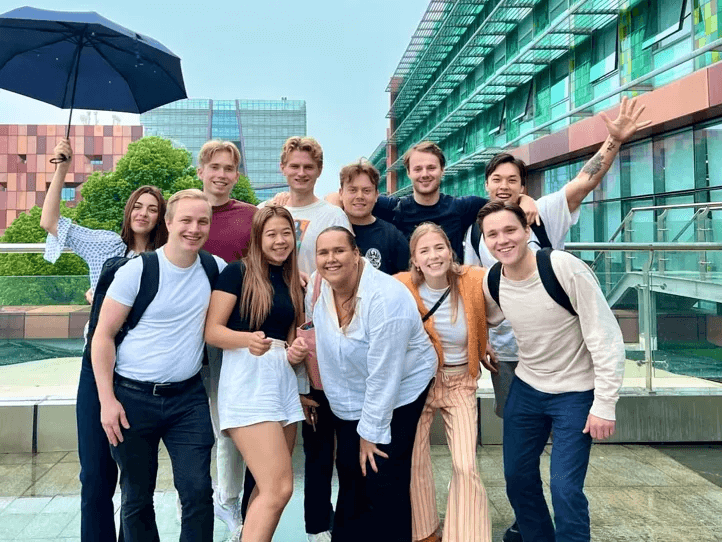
159, 234
257, 291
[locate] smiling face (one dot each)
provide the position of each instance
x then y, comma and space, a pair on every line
277, 240
432, 255
144, 215
506, 238
504, 183
189, 227
425, 172
336, 260
219, 175
301, 172
359, 196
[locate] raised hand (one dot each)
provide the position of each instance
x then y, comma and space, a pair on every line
626, 124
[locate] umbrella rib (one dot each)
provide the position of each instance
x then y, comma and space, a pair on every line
122, 76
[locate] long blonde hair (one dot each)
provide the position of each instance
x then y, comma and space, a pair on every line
257, 291
452, 274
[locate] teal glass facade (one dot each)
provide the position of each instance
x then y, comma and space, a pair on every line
257, 127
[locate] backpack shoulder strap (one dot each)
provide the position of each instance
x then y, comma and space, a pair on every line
210, 266
550, 281
149, 279
476, 238
541, 233
494, 280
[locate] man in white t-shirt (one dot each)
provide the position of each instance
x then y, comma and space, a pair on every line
505, 180
301, 164
571, 364
151, 390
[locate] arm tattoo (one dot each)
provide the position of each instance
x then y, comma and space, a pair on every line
611, 146
594, 165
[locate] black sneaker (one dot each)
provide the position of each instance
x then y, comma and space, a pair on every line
512, 534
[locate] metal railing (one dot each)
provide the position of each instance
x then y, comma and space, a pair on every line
646, 311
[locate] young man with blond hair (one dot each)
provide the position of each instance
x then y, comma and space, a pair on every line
302, 164
150, 387
228, 238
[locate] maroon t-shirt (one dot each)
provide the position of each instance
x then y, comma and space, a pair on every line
230, 230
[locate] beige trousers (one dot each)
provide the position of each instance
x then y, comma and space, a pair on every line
467, 513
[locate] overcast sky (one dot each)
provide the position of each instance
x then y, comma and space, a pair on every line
337, 55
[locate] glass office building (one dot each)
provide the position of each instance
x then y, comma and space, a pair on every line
529, 77
257, 127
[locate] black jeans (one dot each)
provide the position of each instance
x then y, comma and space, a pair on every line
318, 448
377, 506
98, 470
183, 422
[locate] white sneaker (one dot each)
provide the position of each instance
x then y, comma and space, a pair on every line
230, 514
320, 537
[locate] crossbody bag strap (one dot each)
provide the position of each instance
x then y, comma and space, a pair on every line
437, 305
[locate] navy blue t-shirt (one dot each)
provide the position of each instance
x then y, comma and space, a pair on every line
383, 245
453, 214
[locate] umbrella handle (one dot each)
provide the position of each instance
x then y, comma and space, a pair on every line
62, 157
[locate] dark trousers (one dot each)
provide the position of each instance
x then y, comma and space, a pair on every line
98, 470
377, 506
318, 449
183, 422
529, 417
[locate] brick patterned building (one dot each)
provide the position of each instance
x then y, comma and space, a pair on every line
25, 168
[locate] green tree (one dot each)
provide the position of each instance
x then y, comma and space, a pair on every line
244, 192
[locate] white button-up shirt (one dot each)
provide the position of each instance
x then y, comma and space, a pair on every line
382, 361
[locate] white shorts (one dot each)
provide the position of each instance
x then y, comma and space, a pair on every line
255, 389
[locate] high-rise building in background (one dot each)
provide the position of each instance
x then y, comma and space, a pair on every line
257, 127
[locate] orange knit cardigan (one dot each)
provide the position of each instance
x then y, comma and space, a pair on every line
472, 293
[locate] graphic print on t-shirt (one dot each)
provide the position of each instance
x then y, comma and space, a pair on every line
301, 227
374, 257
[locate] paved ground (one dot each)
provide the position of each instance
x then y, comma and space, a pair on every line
636, 493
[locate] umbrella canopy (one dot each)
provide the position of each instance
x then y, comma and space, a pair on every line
82, 60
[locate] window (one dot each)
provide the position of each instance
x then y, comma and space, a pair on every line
68, 194
604, 52
526, 28
498, 119
95, 160
664, 18
500, 55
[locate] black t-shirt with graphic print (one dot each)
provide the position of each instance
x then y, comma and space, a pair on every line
384, 246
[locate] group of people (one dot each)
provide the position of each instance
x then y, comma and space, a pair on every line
204, 339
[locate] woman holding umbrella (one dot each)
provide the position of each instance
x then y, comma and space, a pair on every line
143, 230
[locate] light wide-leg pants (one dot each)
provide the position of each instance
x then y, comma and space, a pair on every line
467, 512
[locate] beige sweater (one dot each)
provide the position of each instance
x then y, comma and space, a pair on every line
559, 352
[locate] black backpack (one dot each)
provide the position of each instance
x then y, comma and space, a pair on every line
546, 274
538, 229
147, 290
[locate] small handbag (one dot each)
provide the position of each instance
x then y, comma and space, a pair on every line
308, 333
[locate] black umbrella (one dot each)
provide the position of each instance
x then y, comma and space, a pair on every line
82, 60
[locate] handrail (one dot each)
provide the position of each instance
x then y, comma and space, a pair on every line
25, 248
642, 247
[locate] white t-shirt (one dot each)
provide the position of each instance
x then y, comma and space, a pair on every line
167, 343
310, 221
554, 212
454, 336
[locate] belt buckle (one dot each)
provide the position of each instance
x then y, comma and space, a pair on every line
159, 387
